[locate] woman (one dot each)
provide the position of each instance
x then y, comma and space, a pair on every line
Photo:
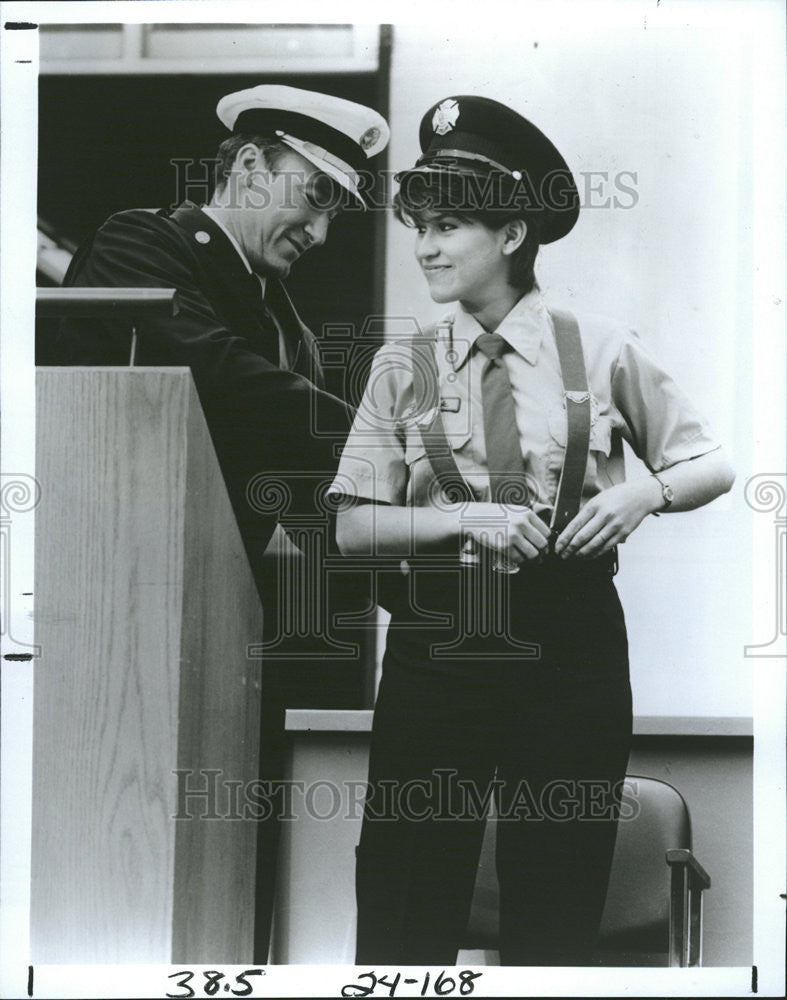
488, 455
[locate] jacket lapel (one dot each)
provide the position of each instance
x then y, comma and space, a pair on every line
300, 340
240, 295
235, 293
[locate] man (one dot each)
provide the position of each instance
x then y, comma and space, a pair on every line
292, 158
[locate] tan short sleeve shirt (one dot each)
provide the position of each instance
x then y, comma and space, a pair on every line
632, 399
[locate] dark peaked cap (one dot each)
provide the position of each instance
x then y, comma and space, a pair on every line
475, 135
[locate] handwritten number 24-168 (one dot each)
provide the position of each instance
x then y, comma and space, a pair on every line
442, 986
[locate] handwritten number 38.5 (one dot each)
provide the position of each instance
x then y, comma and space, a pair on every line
212, 978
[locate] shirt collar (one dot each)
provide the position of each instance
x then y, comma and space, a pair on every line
523, 327
211, 214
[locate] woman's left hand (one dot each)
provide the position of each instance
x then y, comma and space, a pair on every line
608, 519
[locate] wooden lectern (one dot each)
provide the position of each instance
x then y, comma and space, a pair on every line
147, 706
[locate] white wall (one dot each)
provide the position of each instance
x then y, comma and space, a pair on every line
672, 105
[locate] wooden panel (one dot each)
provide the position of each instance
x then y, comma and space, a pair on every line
315, 916
215, 866
342, 720
126, 610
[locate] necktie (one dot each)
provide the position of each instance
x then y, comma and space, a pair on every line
285, 355
503, 451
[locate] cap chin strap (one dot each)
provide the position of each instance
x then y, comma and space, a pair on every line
301, 146
462, 154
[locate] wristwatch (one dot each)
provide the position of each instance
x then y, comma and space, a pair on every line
666, 492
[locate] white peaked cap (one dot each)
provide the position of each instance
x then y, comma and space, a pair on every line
334, 134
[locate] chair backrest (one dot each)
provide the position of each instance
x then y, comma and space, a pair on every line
636, 913
654, 818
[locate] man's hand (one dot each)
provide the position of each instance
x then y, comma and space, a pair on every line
608, 519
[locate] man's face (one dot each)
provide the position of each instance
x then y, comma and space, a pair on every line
276, 216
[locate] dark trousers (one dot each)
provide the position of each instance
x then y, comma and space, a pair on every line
547, 735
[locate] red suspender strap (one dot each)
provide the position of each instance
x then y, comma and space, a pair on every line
426, 392
577, 402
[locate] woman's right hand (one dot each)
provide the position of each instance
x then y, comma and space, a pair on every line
515, 534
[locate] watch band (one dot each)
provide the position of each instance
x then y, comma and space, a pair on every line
667, 494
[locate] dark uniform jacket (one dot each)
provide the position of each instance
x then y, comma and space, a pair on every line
264, 420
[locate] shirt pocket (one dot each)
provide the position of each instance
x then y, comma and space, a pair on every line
600, 445
422, 487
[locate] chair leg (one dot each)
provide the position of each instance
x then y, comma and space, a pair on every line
687, 881
678, 923
695, 926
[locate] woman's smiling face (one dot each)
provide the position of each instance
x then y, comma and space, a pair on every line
462, 259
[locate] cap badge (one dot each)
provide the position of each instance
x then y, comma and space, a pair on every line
369, 138
445, 116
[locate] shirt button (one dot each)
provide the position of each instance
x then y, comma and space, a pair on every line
202, 237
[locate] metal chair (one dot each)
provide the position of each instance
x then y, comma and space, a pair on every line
653, 911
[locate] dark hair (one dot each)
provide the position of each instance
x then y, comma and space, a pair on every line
490, 201
272, 149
